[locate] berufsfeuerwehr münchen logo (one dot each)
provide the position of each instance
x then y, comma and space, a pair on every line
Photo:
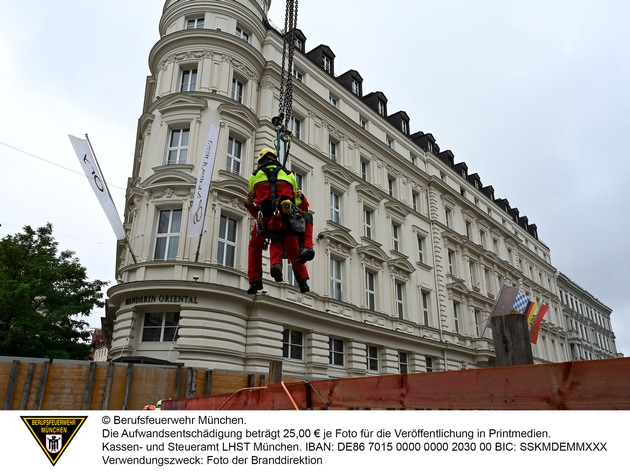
53, 434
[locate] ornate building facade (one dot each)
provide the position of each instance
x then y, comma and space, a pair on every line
411, 249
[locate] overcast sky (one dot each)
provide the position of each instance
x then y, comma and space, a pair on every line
533, 95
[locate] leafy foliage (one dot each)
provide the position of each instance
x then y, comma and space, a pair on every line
43, 295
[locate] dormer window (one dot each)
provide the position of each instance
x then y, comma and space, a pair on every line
404, 127
381, 108
299, 44
430, 147
326, 63
356, 87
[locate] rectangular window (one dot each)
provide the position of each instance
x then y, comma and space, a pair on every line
292, 344
370, 291
404, 127
291, 278
226, 250
335, 207
167, 238
297, 74
389, 141
403, 362
365, 170
189, 80
237, 90
396, 237
363, 123
474, 280
299, 180
371, 355
367, 223
428, 363
391, 186
400, 300
425, 308
336, 351
326, 63
194, 23
452, 266
457, 316
448, 213
160, 326
332, 151
478, 322
334, 101
469, 230
356, 87
482, 239
178, 146
335, 279
421, 249
381, 108
241, 33
234, 156
415, 201
296, 124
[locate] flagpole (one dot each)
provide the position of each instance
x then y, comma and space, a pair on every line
133, 256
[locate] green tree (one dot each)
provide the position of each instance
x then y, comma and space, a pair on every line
43, 296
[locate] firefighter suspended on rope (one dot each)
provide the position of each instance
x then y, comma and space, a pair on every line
276, 204
282, 214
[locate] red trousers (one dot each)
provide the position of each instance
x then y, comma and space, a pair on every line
280, 243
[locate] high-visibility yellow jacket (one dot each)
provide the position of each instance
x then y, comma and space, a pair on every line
286, 185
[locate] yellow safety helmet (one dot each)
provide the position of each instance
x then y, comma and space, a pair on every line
265, 152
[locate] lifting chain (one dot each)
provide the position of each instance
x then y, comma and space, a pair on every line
281, 122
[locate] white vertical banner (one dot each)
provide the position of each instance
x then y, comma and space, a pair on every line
93, 172
204, 178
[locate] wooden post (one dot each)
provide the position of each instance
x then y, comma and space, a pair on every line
39, 400
108, 386
208, 387
27, 385
191, 382
511, 340
128, 386
275, 372
89, 387
8, 399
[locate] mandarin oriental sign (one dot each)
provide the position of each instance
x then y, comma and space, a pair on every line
161, 298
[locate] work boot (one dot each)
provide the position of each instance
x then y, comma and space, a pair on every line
276, 272
303, 287
306, 254
254, 287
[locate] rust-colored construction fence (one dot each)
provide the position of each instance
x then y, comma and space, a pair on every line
585, 385
41, 384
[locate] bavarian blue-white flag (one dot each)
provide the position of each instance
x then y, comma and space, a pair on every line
520, 303
93, 172
204, 178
